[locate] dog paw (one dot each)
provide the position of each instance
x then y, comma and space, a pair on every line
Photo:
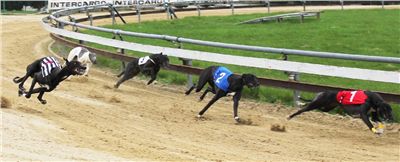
199, 116
20, 93
27, 95
237, 119
288, 118
43, 102
201, 99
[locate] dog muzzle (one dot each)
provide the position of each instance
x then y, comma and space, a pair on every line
80, 71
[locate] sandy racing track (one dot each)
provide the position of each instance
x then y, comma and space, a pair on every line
86, 119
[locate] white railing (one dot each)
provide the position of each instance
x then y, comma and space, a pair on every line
325, 70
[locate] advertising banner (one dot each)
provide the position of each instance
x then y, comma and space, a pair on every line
64, 4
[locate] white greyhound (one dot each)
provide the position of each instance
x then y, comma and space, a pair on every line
84, 56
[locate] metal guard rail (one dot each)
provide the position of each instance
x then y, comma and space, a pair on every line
391, 97
57, 14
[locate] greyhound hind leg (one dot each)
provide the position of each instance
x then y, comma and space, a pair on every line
209, 89
120, 74
120, 81
126, 77
318, 102
21, 82
190, 89
213, 100
31, 90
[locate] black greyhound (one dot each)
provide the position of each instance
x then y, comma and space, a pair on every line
369, 103
149, 65
47, 72
222, 82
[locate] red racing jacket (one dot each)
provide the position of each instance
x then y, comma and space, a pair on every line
351, 97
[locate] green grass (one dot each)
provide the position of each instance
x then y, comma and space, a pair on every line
364, 32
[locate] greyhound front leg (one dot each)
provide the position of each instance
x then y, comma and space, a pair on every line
375, 118
41, 91
153, 77
205, 93
40, 97
213, 100
87, 69
365, 118
236, 99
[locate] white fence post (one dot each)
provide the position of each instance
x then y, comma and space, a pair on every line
198, 9
187, 62
138, 8
90, 18
295, 77
232, 7
341, 3
112, 14
167, 10
120, 50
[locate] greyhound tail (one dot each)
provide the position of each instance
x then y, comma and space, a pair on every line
305, 100
17, 80
120, 74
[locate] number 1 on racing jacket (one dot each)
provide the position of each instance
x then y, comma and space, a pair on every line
221, 76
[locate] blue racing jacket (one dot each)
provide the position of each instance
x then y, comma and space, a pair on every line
221, 75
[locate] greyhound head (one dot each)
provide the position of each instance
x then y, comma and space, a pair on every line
74, 67
92, 58
163, 60
385, 111
250, 80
